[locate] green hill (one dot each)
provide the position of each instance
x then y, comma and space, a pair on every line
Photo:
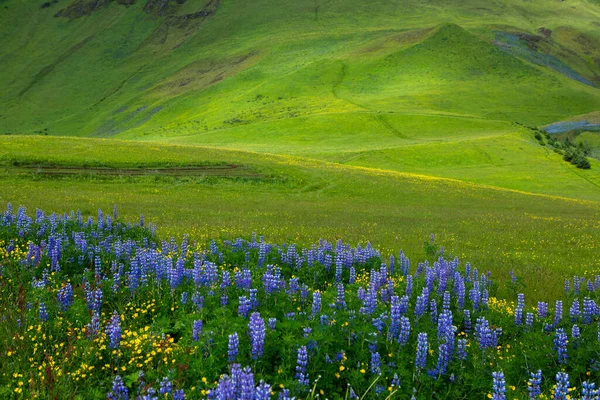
341, 111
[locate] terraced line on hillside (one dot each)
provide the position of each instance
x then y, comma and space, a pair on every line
334, 91
50, 67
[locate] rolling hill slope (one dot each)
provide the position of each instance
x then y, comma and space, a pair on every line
383, 119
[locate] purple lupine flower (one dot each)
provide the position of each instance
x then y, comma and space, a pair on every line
588, 391
482, 333
577, 284
560, 345
520, 300
94, 326
43, 312
404, 330
518, 316
442, 362
119, 391
65, 297
529, 319
422, 348
263, 391
575, 311
303, 292
113, 330
340, 300
534, 384
324, 319
542, 309
198, 300
589, 309
562, 386
196, 330
433, 310
467, 320
409, 286
224, 300
462, 349
116, 282
353, 394
567, 285
444, 328
485, 298
575, 332
246, 384
257, 333
375, 363
404, 304
165, 386
420, 305
316, 306
396, 381
233, 346
338, 267
558, 312
179, 395
499, 388
94, 299
272, 323
394, 317
301, 364
244, 306
446, 301
225, 389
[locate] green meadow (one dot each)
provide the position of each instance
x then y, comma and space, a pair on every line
542, 238
363, 120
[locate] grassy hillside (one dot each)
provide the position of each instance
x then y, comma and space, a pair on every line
124, 71
379, 119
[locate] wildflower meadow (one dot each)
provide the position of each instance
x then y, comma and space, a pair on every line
95, 307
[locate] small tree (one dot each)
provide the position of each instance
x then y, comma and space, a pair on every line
583, 163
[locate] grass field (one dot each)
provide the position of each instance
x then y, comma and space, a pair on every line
246, 132
542, 238
372, 120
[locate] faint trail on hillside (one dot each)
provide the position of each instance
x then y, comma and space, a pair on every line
317, 7
390, 128
50, 67
338, 83
378, 117
483, 152
119, 86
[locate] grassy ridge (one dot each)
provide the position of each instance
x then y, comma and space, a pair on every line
542, 238
121, 71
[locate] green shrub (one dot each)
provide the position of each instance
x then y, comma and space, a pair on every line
583, 163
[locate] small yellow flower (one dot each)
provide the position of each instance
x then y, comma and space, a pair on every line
362, 371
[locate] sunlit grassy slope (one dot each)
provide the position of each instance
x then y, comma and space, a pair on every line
433, 87
380, 120
540, 237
